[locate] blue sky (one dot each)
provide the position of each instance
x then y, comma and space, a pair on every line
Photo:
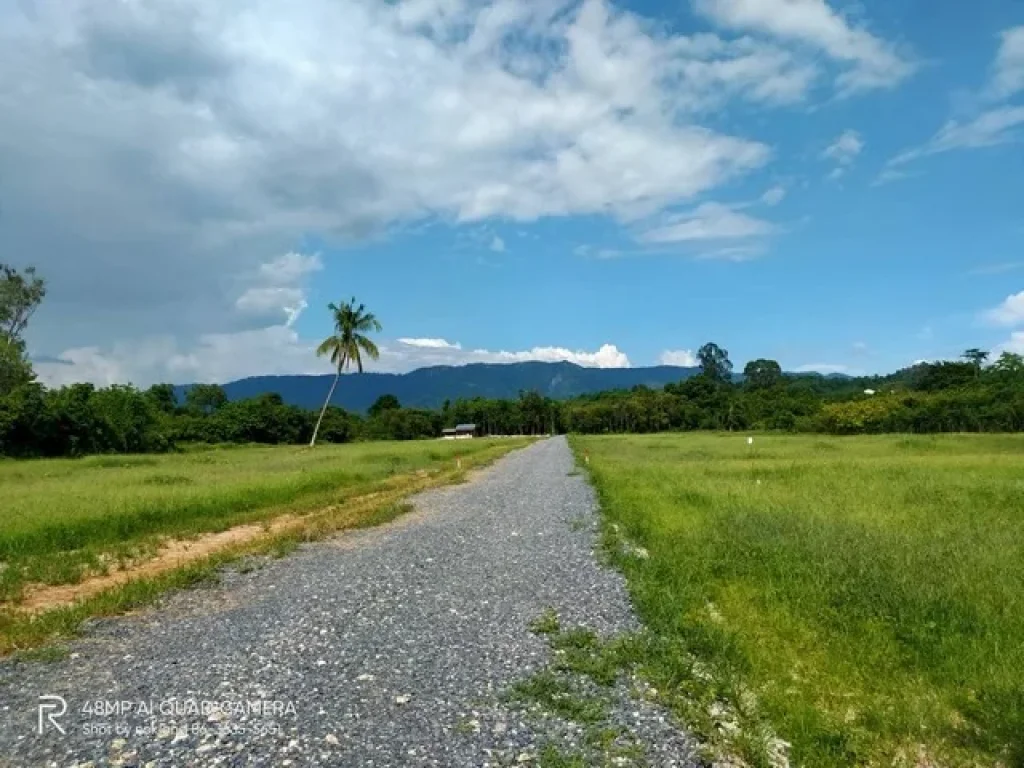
835, 185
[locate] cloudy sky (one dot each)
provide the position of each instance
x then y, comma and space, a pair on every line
837, 185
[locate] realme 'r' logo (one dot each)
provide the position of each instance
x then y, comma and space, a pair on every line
51, 707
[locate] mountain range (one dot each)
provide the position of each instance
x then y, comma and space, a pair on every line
430, 387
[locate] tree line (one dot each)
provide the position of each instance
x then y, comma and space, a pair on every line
971, 394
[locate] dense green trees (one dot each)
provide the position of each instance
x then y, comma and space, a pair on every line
382, 404
931, 397
946, 396
79, 419
204, 398
762, 374
957, 395
714, 362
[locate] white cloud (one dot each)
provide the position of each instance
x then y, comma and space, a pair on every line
430, 343
773, 196
873, 62
497, 245
1014, 344
709, 221
290, 268
681, 357
1008, 75
277, 350
408, 354
216, 357
264, 301
214, 136
1009, 313
279, 287
607, 356
845, 149
195, 142
990, 128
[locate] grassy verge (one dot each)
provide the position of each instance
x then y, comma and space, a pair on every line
372, 481
859, 598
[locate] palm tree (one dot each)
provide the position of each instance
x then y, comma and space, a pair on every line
347, 345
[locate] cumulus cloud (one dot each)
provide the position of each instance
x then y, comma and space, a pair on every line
278, 349
1009, 313
870, 61
184, 145
497, 245
413, 353
681, 357
607, 356
278, 287
1014, 344
262, 301
290, 268
214, 357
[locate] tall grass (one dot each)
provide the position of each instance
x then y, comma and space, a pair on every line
861, 598
61, 518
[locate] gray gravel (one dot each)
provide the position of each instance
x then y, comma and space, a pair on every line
386, 647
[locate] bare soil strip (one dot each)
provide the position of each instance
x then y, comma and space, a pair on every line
177, 553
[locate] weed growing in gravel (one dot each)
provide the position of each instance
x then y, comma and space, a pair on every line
553, 757
546, 624
577, 687
858, 597
579, 524
557, 695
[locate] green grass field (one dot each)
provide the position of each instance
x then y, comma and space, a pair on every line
63, 518
860, 598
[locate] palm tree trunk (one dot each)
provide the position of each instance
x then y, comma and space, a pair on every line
316, 430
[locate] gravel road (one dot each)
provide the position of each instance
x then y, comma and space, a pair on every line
394, 646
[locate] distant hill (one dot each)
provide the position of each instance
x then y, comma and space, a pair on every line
430, 387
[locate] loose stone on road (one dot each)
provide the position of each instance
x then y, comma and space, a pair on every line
393, 646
